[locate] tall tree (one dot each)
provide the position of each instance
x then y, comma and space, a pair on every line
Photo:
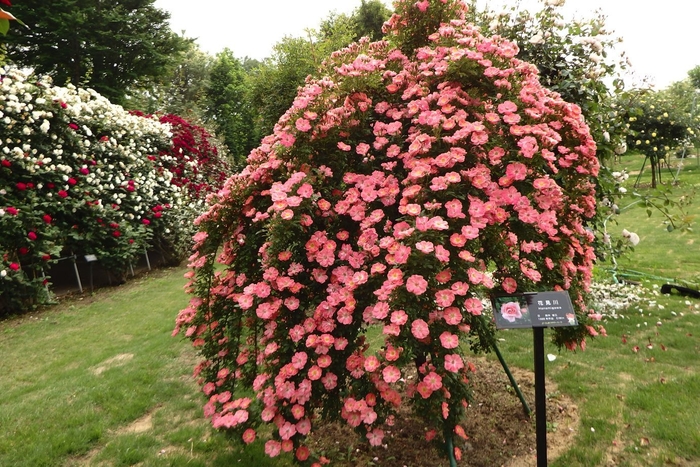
110, 46
182, 90
369, 18
275, 83
694, 76
656, 125
227, 109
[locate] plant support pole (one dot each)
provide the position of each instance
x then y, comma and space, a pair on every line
513, 383
449, 445
77, 274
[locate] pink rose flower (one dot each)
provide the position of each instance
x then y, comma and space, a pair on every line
391, 374
248, 436
416, 284
449, 340
509, 285
273, 448
419, 329
453, 363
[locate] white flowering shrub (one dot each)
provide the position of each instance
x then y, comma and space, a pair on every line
78, 175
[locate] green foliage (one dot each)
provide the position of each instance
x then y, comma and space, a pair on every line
694, 76
274, 84
657, 252
227, 109
181, 91
369, 18
655, 126
112, 47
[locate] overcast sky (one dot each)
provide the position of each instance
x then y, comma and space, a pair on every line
662, 39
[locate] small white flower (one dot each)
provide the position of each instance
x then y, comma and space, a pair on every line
537, 39
3, 273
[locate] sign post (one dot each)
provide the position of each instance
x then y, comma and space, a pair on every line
537, 310
540, 397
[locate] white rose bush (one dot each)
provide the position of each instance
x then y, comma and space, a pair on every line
79, 175
420, 175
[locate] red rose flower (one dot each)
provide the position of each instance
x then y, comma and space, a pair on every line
12, 211
6, 2
14, 266
21, 186
23, 250
5, 162
63, 193
32, 236
116, 234
47, 218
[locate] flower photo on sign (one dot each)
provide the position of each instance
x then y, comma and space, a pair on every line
511, 311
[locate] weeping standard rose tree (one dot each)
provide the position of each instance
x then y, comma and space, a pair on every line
421, 174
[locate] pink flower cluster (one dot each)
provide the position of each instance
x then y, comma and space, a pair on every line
394, 206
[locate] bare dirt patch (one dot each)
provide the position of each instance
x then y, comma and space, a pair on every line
500, 434
117, 360
140, 425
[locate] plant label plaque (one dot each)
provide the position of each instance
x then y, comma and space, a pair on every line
533, 310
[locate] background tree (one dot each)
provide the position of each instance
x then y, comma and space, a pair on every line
227, 108
369, 18
683, 96
274, 84
112, 47
656, 126
694, 76
182, 90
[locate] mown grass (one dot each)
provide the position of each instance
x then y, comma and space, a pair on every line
674, 255
636, 389
100, 381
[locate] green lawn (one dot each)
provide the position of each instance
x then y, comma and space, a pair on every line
674, 255
100, 381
